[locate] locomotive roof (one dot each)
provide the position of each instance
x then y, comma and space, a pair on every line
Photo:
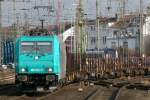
37, 38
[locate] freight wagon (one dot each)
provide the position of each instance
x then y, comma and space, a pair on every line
8, 51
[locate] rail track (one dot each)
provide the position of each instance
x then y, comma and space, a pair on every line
107, 90
110, 89
103, 94
66, 93
70, 92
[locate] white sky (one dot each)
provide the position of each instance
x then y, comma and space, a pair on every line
67, 12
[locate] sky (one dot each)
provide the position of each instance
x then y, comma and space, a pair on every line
25, 12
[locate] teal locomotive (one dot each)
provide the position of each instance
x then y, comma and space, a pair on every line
38, 61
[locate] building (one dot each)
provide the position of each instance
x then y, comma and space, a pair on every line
121, 34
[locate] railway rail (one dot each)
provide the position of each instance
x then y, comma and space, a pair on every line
103, 94
108, 91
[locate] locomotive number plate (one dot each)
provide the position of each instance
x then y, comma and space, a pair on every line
36, 70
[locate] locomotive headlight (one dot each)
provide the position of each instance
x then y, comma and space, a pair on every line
23, 70
50, 69
36, 57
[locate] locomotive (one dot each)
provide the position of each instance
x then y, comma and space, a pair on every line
39, 62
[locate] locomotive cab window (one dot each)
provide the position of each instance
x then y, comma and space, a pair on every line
37, 47
44, 47
27, 47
